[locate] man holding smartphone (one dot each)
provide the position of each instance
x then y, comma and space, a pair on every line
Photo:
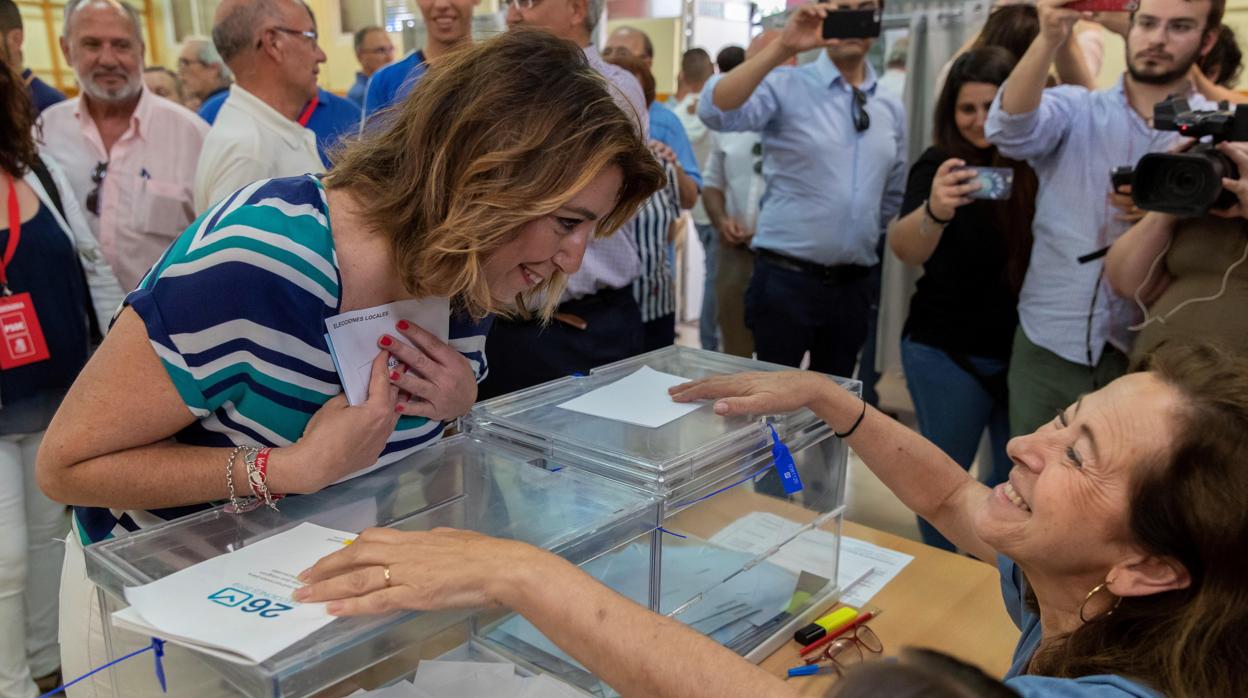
834, 166
1073, 331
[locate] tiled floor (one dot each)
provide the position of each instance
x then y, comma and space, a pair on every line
869, 502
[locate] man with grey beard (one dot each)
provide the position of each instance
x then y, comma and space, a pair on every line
129, 155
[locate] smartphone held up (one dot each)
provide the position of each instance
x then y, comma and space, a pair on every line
1103, 5
995, 183
853, 24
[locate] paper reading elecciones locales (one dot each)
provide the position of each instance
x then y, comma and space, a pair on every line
237, 606
353, 336
640, 398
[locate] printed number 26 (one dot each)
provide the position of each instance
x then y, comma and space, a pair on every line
265, 607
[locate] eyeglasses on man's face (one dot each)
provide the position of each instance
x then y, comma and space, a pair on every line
522, 5
309, 34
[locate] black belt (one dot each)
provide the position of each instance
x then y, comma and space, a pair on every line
838, 274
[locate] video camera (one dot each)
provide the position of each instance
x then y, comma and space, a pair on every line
1190, 184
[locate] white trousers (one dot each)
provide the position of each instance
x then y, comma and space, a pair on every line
30, 555
83, 647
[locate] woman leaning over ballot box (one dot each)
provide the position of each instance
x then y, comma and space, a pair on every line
486, 190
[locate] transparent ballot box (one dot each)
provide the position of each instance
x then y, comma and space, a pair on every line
737, 558
458, 482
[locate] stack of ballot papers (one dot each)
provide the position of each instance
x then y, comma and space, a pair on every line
237, 606
443, 679
353, 337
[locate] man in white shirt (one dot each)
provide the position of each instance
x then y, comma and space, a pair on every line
129, 155
271, 47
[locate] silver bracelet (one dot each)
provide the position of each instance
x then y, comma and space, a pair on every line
245, 504
258, 480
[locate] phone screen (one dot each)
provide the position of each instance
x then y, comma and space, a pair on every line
852, 24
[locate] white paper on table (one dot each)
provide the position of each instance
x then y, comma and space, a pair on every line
884, 564
402, 689
543, 686
864, 568
431, 673
640, 398
238, 605
353, 336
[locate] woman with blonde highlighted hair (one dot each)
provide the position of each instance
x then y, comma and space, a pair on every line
485, 189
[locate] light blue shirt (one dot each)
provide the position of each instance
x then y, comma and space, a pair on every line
1072, 141
1029, 686
830, 190
666, 128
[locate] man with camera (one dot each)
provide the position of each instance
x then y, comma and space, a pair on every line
1074, 333
1185, 267
834, 167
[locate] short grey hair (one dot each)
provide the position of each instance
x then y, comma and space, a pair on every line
206, 53
593, 13
236, 32
132, 14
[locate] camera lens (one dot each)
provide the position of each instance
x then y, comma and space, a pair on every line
1188, 180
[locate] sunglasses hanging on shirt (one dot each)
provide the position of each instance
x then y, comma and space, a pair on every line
862, 120
93, 196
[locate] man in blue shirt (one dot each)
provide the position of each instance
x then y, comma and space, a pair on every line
374, 51
834, 166
42, 95
332, 119
1073, 332
447, 23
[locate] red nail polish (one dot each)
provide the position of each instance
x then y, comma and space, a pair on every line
398, 409
394, 375
402, 325
385, 341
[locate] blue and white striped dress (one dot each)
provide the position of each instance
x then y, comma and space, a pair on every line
236, 310
655, 289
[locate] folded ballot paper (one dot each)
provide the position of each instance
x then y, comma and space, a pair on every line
352, 337
237, 606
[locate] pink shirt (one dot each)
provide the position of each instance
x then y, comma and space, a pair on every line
146, 199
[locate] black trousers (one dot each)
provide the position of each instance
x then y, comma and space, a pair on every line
522, 354
791, 312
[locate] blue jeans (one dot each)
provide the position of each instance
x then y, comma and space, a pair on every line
953, 409
708, 321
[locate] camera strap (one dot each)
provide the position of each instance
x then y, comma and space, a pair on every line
1093, 256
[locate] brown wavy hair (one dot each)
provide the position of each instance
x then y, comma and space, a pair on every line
17, 117
496, 135
1191, 507
991, 65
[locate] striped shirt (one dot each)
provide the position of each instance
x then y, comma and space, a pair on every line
655, 289
236, 310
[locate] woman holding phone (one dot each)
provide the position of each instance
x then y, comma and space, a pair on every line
971, 233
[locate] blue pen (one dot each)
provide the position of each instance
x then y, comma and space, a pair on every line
811, 670
144, 173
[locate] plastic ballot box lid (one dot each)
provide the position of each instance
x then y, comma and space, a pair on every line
458, 482
673, 460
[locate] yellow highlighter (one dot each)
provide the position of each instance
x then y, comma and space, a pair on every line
830, 623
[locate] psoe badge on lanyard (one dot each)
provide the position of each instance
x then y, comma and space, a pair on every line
21, 337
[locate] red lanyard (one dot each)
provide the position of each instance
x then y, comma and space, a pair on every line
307, 111
15, 234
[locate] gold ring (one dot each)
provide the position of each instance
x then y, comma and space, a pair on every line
386, 570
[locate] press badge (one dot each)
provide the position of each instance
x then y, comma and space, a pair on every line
21, 338
785, 467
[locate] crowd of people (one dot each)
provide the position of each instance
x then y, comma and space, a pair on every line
179, 237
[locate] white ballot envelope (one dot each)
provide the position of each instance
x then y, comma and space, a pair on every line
640, 398
353, 336
237, 606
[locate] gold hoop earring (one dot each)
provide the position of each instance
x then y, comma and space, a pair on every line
1103, 586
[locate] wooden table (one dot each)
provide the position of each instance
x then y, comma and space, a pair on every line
943, 601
